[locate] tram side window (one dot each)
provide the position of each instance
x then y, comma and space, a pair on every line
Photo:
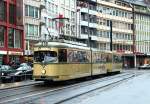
45, 56
62, 55
78, 56
117, 59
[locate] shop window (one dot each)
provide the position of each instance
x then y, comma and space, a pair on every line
2, 11
12, 14
2, 33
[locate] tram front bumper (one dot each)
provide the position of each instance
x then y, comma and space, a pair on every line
45, 78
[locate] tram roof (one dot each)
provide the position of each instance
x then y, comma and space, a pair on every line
68, 44
63, 45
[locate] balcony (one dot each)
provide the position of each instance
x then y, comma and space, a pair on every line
93, 12
42, 22
93, 25
103, 40
36, 38
84, 36
42, 5
84, 10
94, 38
84, 23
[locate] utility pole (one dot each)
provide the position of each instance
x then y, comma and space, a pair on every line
111, 42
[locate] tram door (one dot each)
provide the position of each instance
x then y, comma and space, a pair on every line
62, 55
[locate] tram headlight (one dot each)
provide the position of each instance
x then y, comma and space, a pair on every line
43, 71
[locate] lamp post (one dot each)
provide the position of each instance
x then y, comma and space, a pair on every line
111, 41
134, 37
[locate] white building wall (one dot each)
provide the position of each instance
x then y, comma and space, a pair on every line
142, 33
54, 8
31, 23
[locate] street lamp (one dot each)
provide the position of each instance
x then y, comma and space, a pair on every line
133, 27
111, 41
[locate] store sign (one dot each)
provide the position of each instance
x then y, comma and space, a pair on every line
3, 52
15, 53
28, 52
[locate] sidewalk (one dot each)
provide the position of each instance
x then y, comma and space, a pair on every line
17, 84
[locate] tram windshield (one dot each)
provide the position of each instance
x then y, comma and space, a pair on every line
45, 56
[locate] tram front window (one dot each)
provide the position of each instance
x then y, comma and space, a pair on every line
45, 56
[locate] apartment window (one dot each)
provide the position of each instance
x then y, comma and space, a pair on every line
73, 3
84, 17
12, 13
32, 30
2, 11
35, 30
11, 38
31, 11
108, 33
84, 30
14, 38
108, 23
116, 12
26, 10
18, 39
36, 11
2, 33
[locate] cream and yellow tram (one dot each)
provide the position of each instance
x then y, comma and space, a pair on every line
59, 61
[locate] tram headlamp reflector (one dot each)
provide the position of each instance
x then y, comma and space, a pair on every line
43, 71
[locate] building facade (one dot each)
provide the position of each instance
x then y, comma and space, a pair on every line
60, 19
142, 32
108, 25
11, 31
141, 11
32, 23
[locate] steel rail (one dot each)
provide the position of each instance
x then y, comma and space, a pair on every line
36, 95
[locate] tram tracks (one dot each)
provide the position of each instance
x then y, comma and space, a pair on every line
29, 97
113, 84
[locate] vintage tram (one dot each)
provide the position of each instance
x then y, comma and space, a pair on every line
58, 61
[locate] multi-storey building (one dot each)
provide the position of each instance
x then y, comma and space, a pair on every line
32, 23
141, 12
142, 32
60, 19
11, 31
108, 24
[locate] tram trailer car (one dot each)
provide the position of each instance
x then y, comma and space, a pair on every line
58, 61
